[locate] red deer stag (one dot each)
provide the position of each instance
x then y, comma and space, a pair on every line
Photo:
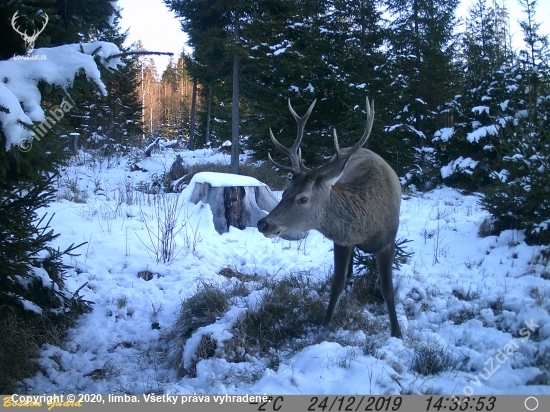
353, 200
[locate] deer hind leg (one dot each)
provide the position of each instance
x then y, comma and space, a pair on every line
342, 269
384, 262
349, 276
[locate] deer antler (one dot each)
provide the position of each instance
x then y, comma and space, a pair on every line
37, 32
294, 151
340, 158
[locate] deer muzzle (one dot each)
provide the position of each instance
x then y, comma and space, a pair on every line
269, 228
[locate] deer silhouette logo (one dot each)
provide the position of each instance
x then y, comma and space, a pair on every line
29, 40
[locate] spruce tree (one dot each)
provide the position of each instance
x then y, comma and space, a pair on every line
327, 51
214, 29
520, 198
287, 48
112, 122
69, 22
465, 148
358, 39
421, 47
33, 299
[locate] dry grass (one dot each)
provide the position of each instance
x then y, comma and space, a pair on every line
203, 308
431, 359
20, 340
285, 320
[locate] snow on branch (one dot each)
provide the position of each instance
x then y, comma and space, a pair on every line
465, 165
444, 134
59, 66
481, 132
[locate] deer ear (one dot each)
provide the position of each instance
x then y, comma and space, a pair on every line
331, 176
331, 181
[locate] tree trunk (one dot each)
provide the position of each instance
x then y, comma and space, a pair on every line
149, 149
417, 94
208, 115
191, 143
235, 105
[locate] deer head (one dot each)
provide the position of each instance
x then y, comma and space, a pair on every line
29, 40
303, 205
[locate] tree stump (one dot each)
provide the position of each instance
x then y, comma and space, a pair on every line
149, 149
238, 201
177, 170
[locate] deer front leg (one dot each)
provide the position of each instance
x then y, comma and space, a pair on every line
384, 261
342, 265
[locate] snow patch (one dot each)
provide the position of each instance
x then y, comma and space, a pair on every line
480, 109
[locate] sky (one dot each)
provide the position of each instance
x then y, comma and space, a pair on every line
516, 13
159, 29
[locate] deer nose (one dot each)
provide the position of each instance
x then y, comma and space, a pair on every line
262, 225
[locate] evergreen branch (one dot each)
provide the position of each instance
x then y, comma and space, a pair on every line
72, 247
42, 229
95, 51
78, 290
138, 53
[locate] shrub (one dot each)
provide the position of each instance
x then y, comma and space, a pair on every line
286, 319
32, 292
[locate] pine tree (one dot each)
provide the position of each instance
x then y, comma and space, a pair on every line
149, 91
176, 92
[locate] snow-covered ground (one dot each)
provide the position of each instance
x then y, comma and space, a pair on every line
498, 286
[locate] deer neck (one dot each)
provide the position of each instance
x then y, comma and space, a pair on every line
336, 219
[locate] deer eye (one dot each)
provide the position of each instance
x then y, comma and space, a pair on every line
303, 200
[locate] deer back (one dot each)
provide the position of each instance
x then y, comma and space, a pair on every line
364, 203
